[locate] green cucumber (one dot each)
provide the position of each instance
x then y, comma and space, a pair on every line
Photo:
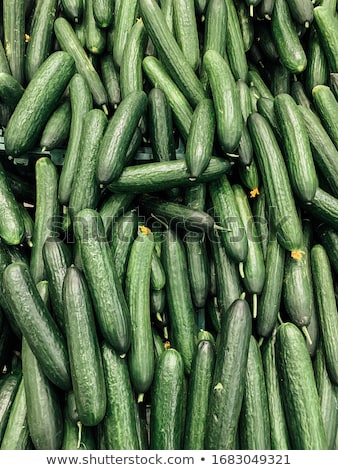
199, 387
166, 430
328, 237
301, 403
38, 102
317, 72
297, 148
180, 306
141, 361
10, 90
73, 9
324, 207
109, 301
114, 205
326, 24
198, 267
186, 31
234, 44
200, 140
290, 49
85, 191
228, 381
117, 136
95, 36
326, 106
325, 301
36, 323
103, 12
280, 80
157, 274
75, 439
110, 79
125, 17
301, 11
119, 424
280, 200
81, 102
39, 45
46, 213
254, 421
56, 130
245, 17
13, 18
264, 9
9, 384
70, 43
88, 381
225, 95
170, 53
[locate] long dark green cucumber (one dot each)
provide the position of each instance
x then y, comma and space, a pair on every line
324, 207
200, 141
119, 423
37, 103
298, 388
226, 214
125, 18
85, 191
199, 387
44, 415
289, 46
81, 102
180, 305
300, 95
297, 148
141, 361
73, 9
327, 395
117, 136
40, 42
46, 213
228, 381
166, 430
57, 257
10, 90
88, 381
170, 53
110, 305
323, 285
254, 422
279, 435
110, 79
280, 199
11, 222
181, 109
69, 42
16, 436
36, 323
56, 130
103, 12
165, 175
225, 95
328, 237
186, 31
326, 106
326, 27
324, 152
269, 301
234, 44
13, 17
301, 11
95, 37
317, 72
9, 384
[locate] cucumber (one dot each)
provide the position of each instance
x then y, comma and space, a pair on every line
280, 80
46, 217
125, 17
300, 95
10, 90
85, 191
328, 237
200, 140
166, 430
301, 11
228, 381
56, 129
180, 306
36, 323
297, 148
74, 439
38, 102
73, 9
117, 136
170, 53
81, 102
109, 301
185, 30
264, 9
281, 202
141, 361
13, 19
57, 257
235, 48
326, 24
95, 36
199, 387
290, 49
9, 384
324, 207
88, 380
254, 421
103, 12
245, 17
165, 175
70, 43
114, 205
119, 424
11, 222
326, 106
157, 274
301, 403
317, 72
41, 35
323, 285
225, 95
110, 79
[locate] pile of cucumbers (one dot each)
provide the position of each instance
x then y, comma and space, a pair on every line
169, 224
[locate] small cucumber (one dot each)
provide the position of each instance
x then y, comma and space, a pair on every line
56, 130
103, 12
73, 9
301, 11
95, 37
326, 106
10, 90
12, 227
13, 18
125, 17
186, 31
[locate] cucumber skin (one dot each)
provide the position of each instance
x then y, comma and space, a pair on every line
327, 30
8, 387
37, 103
